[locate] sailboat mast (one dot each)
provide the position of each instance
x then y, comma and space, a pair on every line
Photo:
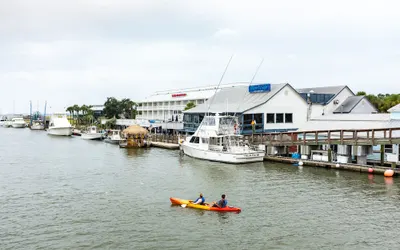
30, 110
44, 114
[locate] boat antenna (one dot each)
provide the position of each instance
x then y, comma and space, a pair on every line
216, 89
251, 82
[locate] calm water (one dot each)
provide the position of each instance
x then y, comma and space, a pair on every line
67, 193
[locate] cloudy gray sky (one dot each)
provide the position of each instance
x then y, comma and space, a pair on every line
81, 51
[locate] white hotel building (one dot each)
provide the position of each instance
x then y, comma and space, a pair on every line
165, 108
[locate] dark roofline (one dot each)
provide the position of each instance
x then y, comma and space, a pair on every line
344, 87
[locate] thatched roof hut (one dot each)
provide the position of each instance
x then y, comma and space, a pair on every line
135, 130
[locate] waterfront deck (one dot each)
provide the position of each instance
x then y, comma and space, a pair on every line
360, 137
333, 165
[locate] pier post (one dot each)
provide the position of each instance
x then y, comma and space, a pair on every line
382, 155
329, 154
361, 153
343, 153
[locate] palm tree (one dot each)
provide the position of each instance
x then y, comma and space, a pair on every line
70, 110
76, 109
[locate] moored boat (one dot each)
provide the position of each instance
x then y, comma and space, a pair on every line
217, 139
18, 122
113, 137
92, 134
207, 206
37, 125
59, 125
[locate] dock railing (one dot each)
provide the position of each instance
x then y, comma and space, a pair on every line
355, 137
163, 138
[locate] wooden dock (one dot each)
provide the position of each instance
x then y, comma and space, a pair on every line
350, 167
360, 137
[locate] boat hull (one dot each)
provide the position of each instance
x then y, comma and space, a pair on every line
225, 157
177, 201
18, 125
111, 141
37, 127
60, 131
92, 136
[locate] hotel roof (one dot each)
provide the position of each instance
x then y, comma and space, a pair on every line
195, 93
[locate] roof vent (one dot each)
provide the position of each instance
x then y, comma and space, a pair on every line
336, 102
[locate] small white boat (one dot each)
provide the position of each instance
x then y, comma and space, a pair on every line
59, 125
113, 137
37, 125
7, 124
216, 139
2, 121
18, 122
92, 134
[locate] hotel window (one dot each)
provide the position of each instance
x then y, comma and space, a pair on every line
389, 149
270, 118
279, 118
288, 118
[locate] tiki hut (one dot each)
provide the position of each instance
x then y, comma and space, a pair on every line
135, 137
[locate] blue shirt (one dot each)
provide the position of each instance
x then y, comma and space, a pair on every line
202, 200
222, 203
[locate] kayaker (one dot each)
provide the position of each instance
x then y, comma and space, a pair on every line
200, 200
221, 203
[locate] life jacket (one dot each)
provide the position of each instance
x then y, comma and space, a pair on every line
202, 200
222, 203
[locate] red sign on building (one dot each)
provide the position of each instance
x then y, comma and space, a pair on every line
178, 95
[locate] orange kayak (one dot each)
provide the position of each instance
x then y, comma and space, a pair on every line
188, 203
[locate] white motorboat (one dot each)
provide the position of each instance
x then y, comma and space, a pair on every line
37, 125
92, 134
18, 122
7, 124
113, 137
2, 121
216, 139
59, 125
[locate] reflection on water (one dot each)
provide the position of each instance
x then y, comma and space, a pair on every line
69, 193
135, 152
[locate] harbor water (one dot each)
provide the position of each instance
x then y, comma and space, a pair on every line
69, 193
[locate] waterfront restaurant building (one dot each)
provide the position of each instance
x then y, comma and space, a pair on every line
164, 109
277, 107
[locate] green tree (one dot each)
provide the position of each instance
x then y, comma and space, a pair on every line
112, 108
189, 105
361, 93
128, 108
382, 102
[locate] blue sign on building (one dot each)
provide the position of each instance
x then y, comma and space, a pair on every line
260, 88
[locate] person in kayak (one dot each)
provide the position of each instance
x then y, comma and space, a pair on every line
200, 200
221, 203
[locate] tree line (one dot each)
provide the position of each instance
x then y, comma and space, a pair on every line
81, 114
382, 102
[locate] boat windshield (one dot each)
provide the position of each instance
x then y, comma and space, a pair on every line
208, 121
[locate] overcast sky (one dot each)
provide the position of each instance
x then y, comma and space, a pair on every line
82, 51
